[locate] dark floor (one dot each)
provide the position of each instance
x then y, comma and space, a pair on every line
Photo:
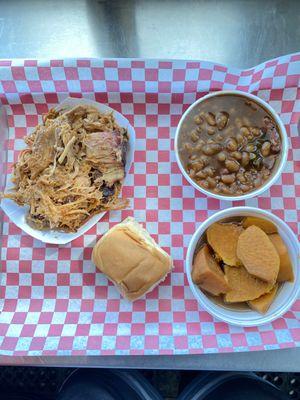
47, 381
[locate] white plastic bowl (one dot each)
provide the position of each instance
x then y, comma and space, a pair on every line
283, 155
17, 214
287, 293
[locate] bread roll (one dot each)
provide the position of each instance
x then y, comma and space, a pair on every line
131, 259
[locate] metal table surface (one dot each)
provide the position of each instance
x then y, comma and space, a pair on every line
236, 33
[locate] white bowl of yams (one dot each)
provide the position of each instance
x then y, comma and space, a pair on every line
243, 266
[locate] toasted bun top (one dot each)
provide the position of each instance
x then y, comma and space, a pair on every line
129, 257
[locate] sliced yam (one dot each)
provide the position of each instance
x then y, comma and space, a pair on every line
262, 304
207, 273
258, 254
286, 272
243, 286
267, 226
223, 238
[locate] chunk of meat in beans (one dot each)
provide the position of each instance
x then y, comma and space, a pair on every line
229, 145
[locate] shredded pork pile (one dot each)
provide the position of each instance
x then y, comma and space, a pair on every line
72, 168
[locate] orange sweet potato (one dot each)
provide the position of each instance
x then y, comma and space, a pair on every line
262, 304
223, 239
285, 268
243, 286
267, 226
258, 254
207, 274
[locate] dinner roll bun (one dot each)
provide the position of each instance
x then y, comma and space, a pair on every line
131, 259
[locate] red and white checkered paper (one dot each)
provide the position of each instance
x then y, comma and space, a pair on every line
53, 300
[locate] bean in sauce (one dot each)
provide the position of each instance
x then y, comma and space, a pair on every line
229, 145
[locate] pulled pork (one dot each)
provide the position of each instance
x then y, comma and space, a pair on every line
72, 168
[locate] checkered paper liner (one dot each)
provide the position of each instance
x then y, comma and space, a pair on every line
52, 299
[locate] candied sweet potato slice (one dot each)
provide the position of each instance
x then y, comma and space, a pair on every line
243, 286
286, 272
267, 226
207, 273
223, 239
262, 304
258, 254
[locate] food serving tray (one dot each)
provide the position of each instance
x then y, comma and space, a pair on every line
53, 301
